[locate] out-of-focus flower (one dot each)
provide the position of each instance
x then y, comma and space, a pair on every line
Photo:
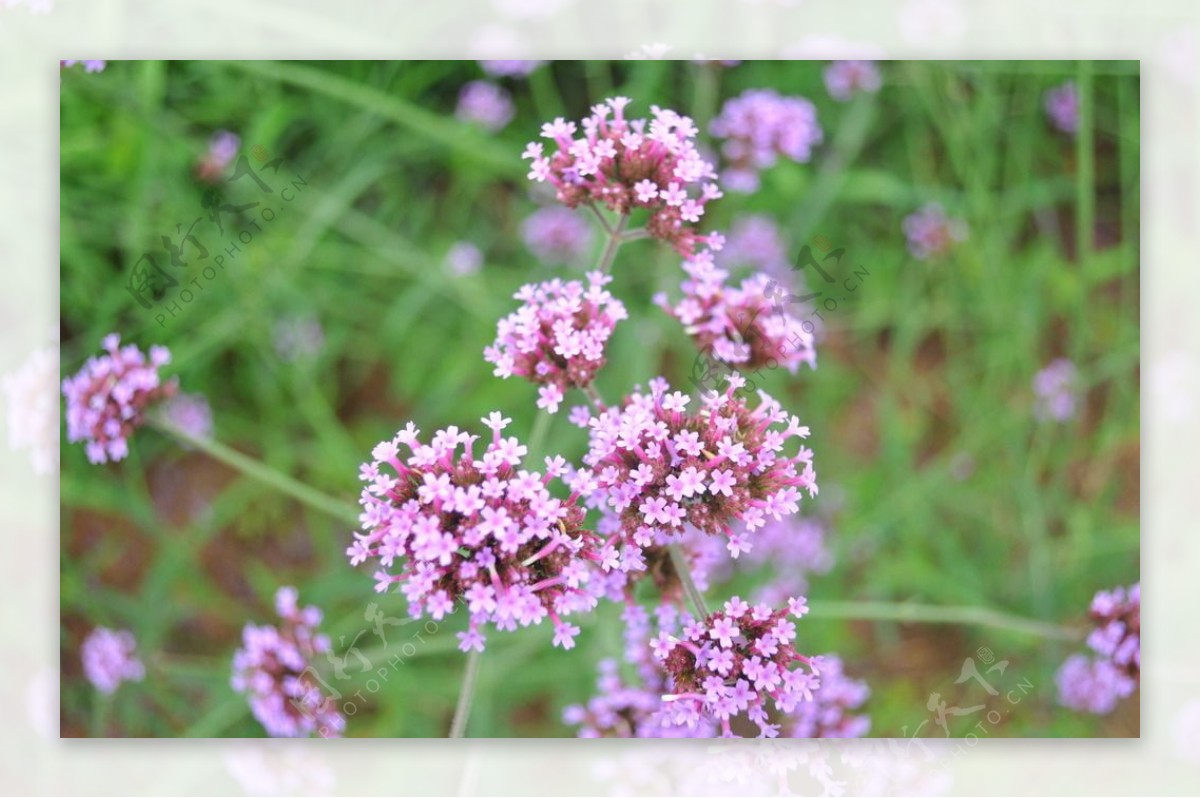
109, 659
463, 258
831, 713
32, 395
931, 233
222, 150
557, 235
1095, 685
298, 338
661, 468
1056, 388
485, 533
625, 165
747, 325
273, 669
758, 127
844, 78
107, 400
88, 66
486, 104
191, 413
1062, 107
510, 68
556, 339
754, 242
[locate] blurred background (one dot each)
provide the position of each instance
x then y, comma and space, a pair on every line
947, 475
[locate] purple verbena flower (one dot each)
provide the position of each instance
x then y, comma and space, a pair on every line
624, 164
1095, 685
930, 232
463, 258
191, 413
844, 78
758, 127
1056, 390
557, 235
273, 669
108, 399
755, 242
449, 529
486, 104
109, 659
1062, 106
556, 339
831, 713
661, 468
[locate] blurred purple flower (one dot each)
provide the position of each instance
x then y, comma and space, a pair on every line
463, 258
1062, 106
1095, 685
486, 104
109, 659
298, 338
757, 127
190, 413
557, 235
844, 78
509, 68
930, 232
1056, 390
88, 66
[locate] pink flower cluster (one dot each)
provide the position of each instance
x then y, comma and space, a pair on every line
557, 235
1095, 685
625, 165
661, 468
272, 668
483, 532
844, 78
556, 338
107, 400
758, 127
747, 325
738, 660
108, 659
930, 232
485, 103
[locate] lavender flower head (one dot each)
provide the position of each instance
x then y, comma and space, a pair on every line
1062, 107
557, 235
844, 78
88, 66
273, 668
661, 468
509, 69
556, 339
1095, 685
190, 413
33, 408
930, 232
623, 164
758, 127
463, 258
746, 325
109, 659
1056, 390
831, 713
754, 241
486, 104
108, 399
449, 529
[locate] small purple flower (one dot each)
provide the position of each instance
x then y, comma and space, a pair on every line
463, 258
844, 78
222, 150
1062, 106
509, 68
1095, 685
754, 242
930, 232
1087, 685
758, 127
830, 713
109, 659
190, 413
273, 668
556, 339
108, 399
1056, 389
486, 104
88, 66
557, 235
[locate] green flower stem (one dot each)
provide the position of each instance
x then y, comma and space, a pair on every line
462, 712
933, 614
685, 577
258, 470
612, 245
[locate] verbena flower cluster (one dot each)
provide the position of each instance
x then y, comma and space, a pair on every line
1056, 389
1062, 106
486, 104
273, 669
557, 235
109, 659
108, 399
626, 165
843, 79
661, 468
1097, 684
482, 532
556, 339
832, 711
931, 232
747, 325
758, 127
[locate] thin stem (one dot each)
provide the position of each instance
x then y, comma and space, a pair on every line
612, 245
591, 206
462, 712
685, 577
635, 235
537, 438
594, 395
933, 614
263, 473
